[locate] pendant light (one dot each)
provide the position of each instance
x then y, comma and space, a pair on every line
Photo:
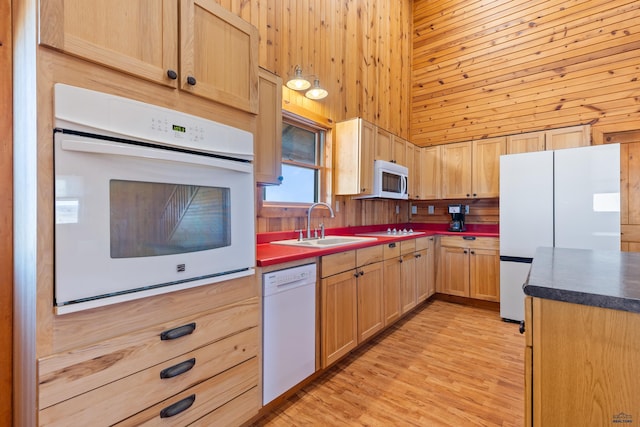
298, 82
316, 92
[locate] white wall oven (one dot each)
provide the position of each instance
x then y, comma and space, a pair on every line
147, 200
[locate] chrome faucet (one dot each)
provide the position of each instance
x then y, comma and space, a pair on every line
309, 216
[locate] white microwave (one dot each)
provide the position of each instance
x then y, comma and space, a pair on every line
390, 181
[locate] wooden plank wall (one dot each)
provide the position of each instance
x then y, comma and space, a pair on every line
6, 215
483, 69
359, 49
481, 211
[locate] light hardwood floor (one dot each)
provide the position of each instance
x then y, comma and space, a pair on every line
445, 365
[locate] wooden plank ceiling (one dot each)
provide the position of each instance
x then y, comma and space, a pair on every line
487, 68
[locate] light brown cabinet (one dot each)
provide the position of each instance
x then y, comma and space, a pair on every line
408, 288
391, 284
187, 366
355, 145
384, 149
195, 45
268, 137
351, 300
470, 267
555, 139
425, 268
472, 169
581, 364
427, 165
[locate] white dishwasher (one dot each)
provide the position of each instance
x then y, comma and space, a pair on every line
289, 329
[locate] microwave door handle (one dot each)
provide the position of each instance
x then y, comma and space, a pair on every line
403, 181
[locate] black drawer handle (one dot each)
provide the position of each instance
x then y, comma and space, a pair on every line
180, 368
469, 237
392, 245
178, 332
178, 407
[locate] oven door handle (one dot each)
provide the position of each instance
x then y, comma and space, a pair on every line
130, 150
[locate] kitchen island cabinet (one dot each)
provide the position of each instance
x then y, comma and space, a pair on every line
195, 45
582, 321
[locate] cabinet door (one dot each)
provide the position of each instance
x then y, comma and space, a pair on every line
391, 288
138, 37
571, 137
429, 166
339, 316
383, 145
400, 150
454, 267
370, 300
268, 137
414, 172
408, 282
431, 267
484, 265
456, 171
218, 55
422, 275
525, 143
365, 165
486, 166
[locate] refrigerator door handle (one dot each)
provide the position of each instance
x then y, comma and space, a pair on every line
522, 260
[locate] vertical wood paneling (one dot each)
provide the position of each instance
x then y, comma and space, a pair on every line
6, 215
359, 49
483, 70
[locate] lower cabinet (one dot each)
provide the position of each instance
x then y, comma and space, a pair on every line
176, 372
351, 300
582, 365
470, 267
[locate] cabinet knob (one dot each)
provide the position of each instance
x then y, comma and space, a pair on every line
172, 74
475, 195
465, 251
362, 273
521, 328
473, 252
468, 195
401, 261
191, 81
355, 274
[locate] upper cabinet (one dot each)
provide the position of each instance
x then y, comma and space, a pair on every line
268, 138
472, 169
355, 145
201, 48
391, 148
429, 174
555, 139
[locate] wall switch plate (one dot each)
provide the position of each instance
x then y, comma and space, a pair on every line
466, 209
337, 206
430, 210
414, 209
397, 209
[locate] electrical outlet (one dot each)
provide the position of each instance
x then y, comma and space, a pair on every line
337, 205
397, 209
430, 210
414, 209
466, 209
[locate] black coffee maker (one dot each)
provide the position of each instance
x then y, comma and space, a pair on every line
457, 217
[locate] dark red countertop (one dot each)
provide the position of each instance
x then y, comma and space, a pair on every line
270, 254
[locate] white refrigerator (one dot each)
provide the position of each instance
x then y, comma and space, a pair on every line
566, 198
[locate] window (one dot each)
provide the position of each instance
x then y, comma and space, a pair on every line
302, 148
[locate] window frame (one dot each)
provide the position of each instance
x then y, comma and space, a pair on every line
307, 120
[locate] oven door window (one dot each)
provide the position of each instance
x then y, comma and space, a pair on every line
151, 219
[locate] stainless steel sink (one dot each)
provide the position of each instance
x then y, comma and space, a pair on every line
327, 242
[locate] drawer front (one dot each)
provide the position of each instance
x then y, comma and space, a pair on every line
337, 263
369, 255
69, 374
226, 399
391, 250
407, 246
121, 399
471, 242
422, 243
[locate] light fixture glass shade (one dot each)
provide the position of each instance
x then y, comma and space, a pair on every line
298, 82
316, 92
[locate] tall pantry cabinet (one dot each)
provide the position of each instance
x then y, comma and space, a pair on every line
192, 356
